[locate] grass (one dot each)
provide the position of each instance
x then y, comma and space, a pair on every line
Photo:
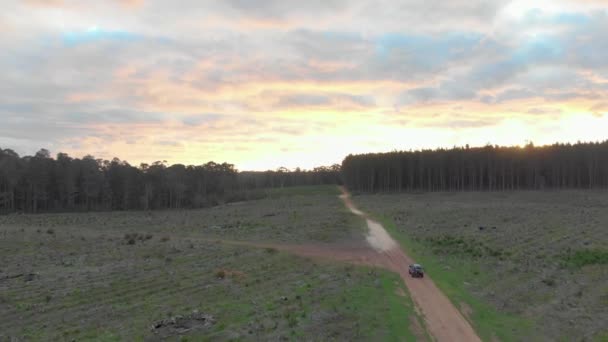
312, 190
487, 321
110, 276
602, 337
123, 302
585, 257
537, 255
400, 310
449, 244
291, 214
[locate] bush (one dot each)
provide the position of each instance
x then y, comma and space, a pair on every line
586, 257
136, 236
549, 282
456, 245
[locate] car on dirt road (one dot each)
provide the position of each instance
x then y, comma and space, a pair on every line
416, 271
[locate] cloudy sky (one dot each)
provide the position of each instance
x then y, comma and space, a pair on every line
264, 84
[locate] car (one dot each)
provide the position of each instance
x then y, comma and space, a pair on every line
416, 271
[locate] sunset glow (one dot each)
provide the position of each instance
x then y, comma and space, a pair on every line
298, 84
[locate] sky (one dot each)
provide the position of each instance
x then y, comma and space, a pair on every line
265, 84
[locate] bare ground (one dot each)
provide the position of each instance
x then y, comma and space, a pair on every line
444, 322
511, 256
114, 276
442, 319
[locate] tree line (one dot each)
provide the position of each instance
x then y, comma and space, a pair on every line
493, 168
41, 183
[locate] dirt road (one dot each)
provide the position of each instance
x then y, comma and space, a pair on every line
444, 322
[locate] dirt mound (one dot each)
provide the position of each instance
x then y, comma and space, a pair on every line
179, 325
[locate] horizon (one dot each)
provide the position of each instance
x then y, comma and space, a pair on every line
53, 155
287, 84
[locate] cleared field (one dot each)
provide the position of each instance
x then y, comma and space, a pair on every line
521, 265
115, 276
294, 215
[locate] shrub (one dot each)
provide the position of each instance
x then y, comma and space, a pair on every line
586, 257
448, 244
549, 282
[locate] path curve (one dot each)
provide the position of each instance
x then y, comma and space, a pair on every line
444, 322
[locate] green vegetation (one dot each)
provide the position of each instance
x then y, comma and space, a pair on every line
112, 276
532, 260
308, 299
580, 166
448, 244
312, 190
603, 337
487, 321
585, 257
40, 183
400, 310
290, 214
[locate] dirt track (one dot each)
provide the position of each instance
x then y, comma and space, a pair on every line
443, 321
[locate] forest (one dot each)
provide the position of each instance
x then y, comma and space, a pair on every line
491, 168
39, 183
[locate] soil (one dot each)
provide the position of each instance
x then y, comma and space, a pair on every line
466, 310
444, 322
442, 319
122, 274
522, 254
179, 325
57, 286
417, 329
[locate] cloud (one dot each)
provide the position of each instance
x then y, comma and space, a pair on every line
81, 74
311, 100
599, 109
131, 3
200, 119
66, 3
514, 94
46, 3
285, 8
544, 111
464, 123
